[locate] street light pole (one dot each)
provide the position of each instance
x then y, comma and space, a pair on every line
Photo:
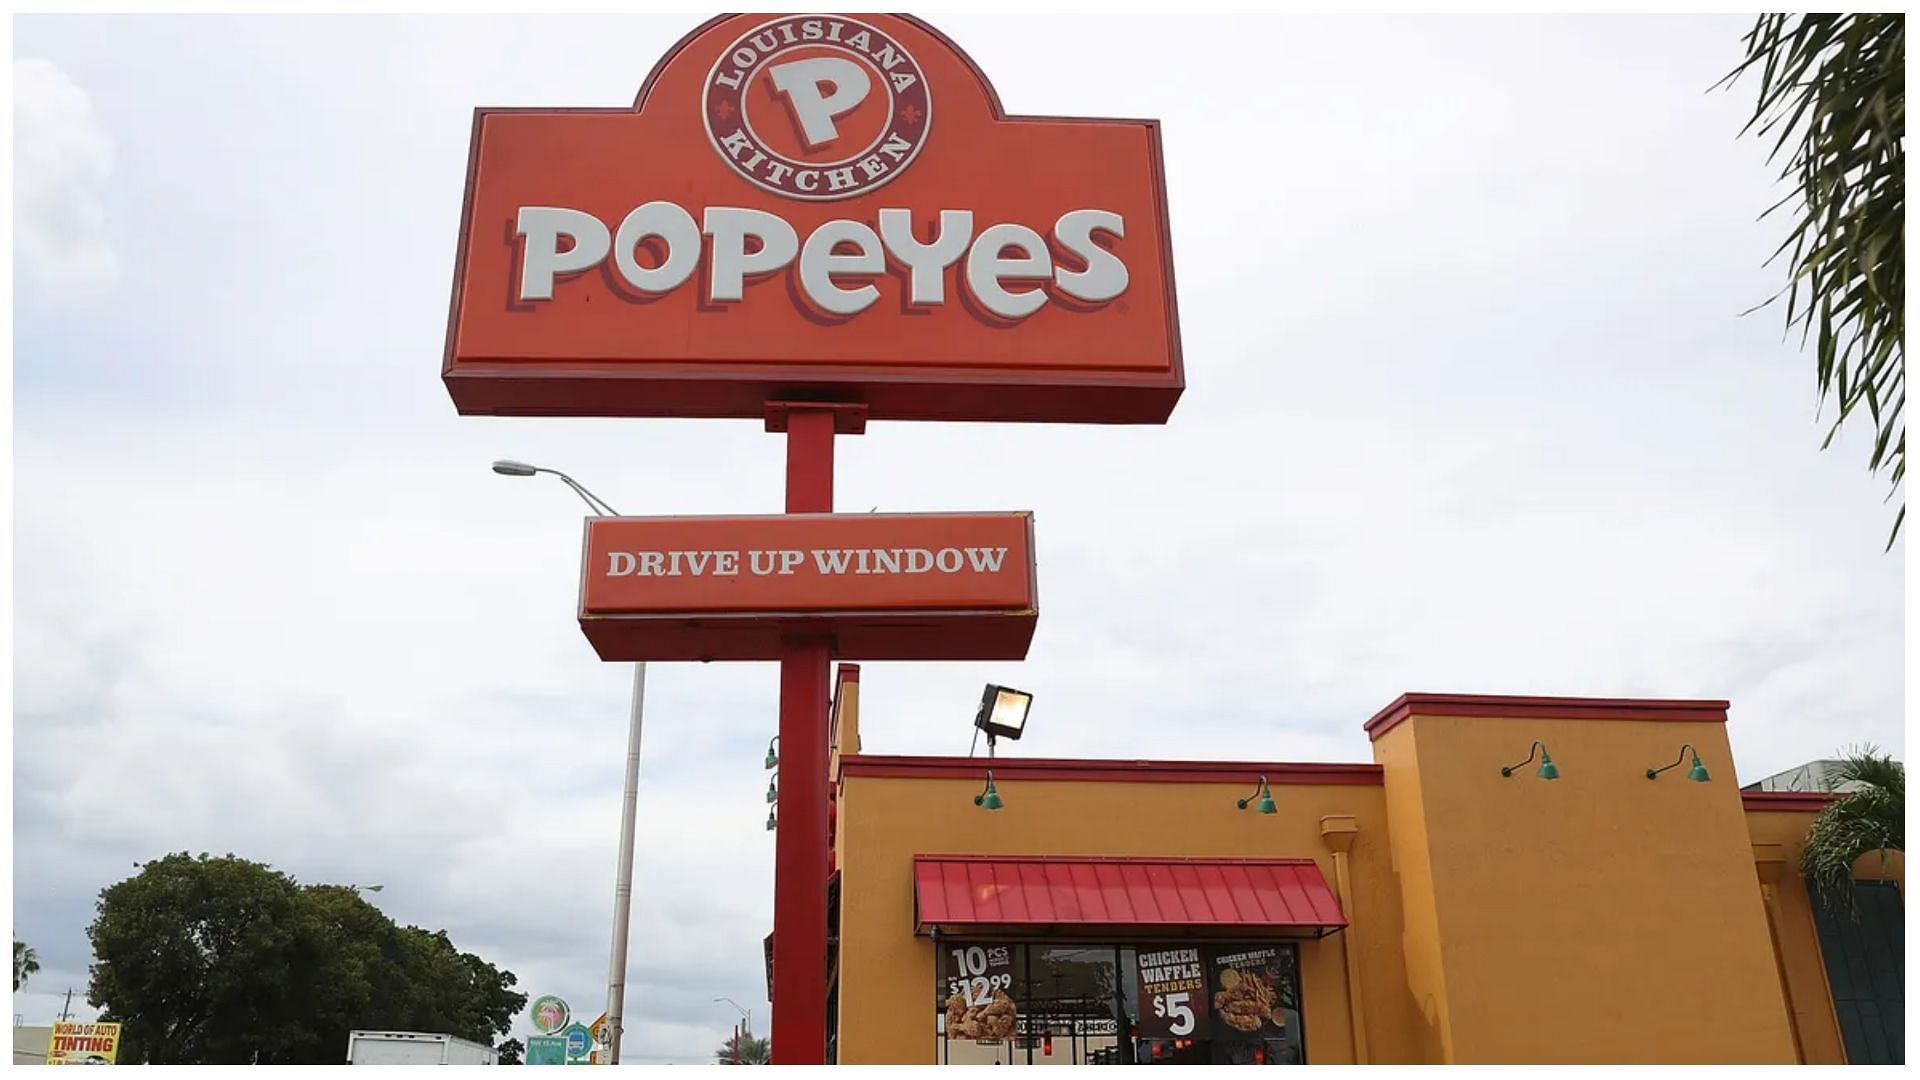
623, 886
623, 882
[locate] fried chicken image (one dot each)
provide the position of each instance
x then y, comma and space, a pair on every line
994, 1020
1246, 1002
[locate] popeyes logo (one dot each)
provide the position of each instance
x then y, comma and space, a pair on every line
781, 213
814, 107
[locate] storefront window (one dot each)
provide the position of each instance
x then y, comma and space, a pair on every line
978, 991
1011, 1003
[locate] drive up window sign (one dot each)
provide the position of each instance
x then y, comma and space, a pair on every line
815, 221
888, 586
821, 206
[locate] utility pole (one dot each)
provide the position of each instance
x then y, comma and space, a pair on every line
66, 1009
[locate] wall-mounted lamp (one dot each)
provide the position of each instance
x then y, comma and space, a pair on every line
1697, 774
1547, 770
989, 799
773, 757
773, 791
1262, 799
772, 821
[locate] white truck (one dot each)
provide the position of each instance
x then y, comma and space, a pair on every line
415, 1048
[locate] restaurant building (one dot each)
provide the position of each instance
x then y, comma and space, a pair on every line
1439, 904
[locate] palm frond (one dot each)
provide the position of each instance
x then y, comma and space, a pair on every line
1832, 98
1872, 818
1869, 766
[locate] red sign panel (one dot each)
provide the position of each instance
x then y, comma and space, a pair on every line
814, 207
883, 586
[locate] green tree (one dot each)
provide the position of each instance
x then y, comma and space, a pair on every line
511, 1052
1871, 818
752, 1051
226, 961
1832, 96
25, 964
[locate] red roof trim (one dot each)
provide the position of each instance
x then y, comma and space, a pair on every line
1811, 802
1188, 772
1126, 860
1064, 891
1689, 710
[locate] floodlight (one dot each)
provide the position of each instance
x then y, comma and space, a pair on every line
1003, 711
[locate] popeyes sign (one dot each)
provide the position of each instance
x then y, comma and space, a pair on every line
814, 207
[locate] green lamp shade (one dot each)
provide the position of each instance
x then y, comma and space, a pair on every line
989, 799
772, 759
772, 821
1698, 774
1548, 770
1265, 805
773, 793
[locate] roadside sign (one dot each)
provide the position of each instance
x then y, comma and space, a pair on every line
73, 1043
546, 1050
550, 1014
901, 242
598, 1029
579, 1043
887, 586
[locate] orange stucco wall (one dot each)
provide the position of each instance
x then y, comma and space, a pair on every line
1597, 918
887, 974
1600, 916
1777, 837
1429, 1033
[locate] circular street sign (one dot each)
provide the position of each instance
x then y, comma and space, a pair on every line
550, 1014
579, 1042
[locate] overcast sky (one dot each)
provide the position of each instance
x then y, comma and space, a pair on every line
1471, 408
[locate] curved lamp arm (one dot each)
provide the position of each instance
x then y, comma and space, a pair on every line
1698, 773
989, 797
520, 468
1261, 798
1548, 770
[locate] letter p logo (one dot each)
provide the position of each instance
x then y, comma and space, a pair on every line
800, 82
816, 107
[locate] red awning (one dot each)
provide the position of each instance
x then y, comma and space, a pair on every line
1184, 897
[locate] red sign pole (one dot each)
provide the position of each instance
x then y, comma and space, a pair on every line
800, 846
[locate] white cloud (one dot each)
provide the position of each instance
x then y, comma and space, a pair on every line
63, 246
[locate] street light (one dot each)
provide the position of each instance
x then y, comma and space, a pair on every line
743, 1031
746, 1015
520, 468
623, 884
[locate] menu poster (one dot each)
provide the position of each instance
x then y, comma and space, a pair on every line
980, 992
1173, 993
1250, 988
